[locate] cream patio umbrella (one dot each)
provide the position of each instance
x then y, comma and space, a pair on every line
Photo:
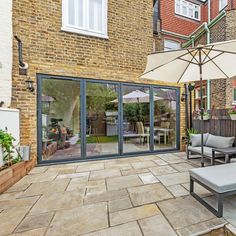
137, 96
205, 62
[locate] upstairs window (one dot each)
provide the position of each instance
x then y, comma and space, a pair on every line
171, 45
222, 4
188, 9
87, 17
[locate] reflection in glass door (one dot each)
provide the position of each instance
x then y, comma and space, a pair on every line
164, 118
136, 118
102, 130
60, 101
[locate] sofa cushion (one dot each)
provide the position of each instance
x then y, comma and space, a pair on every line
221, 178
196, 139
219, 141
206, 150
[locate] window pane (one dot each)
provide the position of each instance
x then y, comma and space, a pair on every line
60, 119
80, 12
171, 45
95, 15
136, 119
177, 8
101, 119
71, 12
164, 118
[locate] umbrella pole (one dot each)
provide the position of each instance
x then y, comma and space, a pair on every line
201, 109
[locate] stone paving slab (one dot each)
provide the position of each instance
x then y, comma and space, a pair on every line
19, 202
120, 204
184, 211
102, 174
202, 227
148, 178
79, 220
10, 218
122, 182
137, 213
162, 170
57, 201
148, 194
175, 178
34, 222
178, 190
156, 225
46, 187
129, 229
90, 167
33, 232
104, 197
143, 164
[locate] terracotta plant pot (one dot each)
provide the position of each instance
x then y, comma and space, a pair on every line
233, 116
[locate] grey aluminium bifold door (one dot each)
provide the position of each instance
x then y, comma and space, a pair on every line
60, 119
82, 119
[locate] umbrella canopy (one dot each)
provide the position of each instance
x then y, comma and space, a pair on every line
181, 66
137, 96
212, 61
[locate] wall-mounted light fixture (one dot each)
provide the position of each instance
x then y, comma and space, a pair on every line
30, 85
183, 96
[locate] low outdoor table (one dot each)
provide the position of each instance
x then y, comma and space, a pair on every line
226, 151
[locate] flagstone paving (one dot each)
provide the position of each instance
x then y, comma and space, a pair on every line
143, 195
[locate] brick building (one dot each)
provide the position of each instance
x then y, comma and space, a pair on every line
183, 23
84, 58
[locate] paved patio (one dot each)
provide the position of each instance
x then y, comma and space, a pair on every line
146, 195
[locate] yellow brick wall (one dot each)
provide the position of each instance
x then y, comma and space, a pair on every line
49, 50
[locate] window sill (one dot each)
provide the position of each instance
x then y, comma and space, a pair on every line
83, 33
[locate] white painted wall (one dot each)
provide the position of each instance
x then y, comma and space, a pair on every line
6, 36
10, 119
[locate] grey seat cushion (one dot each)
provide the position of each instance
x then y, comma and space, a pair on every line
221, 178
206, 150
219, 141
196, 139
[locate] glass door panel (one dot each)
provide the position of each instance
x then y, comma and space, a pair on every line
101, 119
136, 119
164, 118
60, 101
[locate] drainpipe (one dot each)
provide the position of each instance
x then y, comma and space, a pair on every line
208, 42
193, 41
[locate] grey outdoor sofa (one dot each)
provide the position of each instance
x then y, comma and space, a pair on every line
210, 142
220, 180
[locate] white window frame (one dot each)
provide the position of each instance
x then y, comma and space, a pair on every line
189, 6
85, 30
221, 7
173, 42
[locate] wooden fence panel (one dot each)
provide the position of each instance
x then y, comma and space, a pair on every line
218, 124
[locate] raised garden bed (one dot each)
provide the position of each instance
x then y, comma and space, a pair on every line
12, 174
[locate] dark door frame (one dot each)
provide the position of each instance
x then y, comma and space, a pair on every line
120, 154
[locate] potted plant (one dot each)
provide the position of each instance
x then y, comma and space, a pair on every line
206, 115
7, 149
232, 113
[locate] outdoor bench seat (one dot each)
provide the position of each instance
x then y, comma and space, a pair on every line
220, 180
210, 142
207, 151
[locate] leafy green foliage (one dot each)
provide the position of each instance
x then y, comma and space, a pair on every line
6, 142
189, 132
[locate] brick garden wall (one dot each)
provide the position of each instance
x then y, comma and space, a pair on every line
49, 50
